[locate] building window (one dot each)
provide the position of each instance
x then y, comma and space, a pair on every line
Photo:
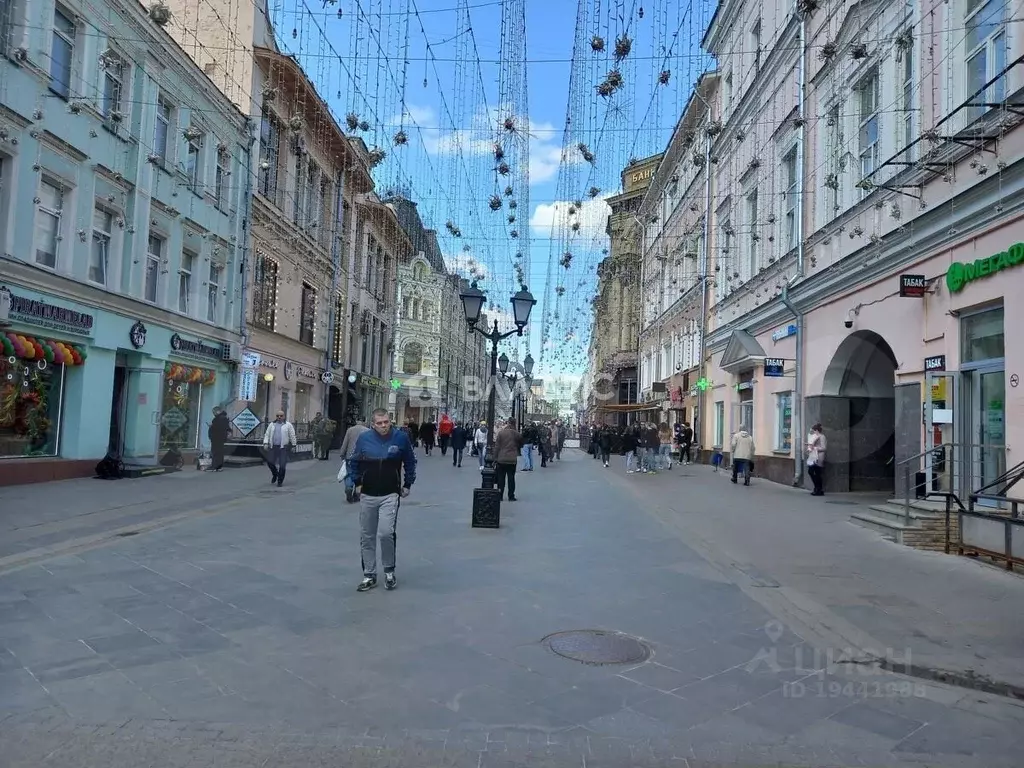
834, 150
114, 71
986, 50
220, 179
62, 52
753, 236
784, 421
48, 219
6, 25
314, 203
907, 97
264, 293
30, 407
102, 234
412, 359
194, 162
789, 198
983, 336
755, 44
188, 264
162, 131
213, 293
154, 255
719, 424
338, 343
727, 94
868, 117
182, 404
270, 145
307, 320
299, 210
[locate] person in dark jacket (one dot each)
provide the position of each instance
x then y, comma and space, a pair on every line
545, 444
629, 444
428, 431
218, 433
414, 433
604, 443
376, 468
506, 456
457, 443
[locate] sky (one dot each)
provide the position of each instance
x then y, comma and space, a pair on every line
455, 79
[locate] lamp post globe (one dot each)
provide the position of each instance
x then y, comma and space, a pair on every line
503, 363
472, 303
522, 305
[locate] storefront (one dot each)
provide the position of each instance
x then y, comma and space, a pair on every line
286, 385
195, 381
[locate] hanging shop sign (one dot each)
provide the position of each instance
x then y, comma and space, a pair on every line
960, 274
288, 371
247, 383
246, 422
784, 333
197, 349
913, 286
45, 315
137, 335
250, 359
774, 367
935, 363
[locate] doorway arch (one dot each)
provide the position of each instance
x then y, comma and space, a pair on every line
860, 416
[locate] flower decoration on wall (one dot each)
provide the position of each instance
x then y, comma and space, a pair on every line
46, 350
189, 374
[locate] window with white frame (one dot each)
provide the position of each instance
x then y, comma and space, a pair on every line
753, 264
727, 95
307, 314
326, 190
162, 129
784, 421
194, 159
220, 177
48, 222
724, 259
985, 50
834, 153
6, 25
755, 44
314, 203
868, 118
154, 255
188, 265
270, 145
299, 212
102, 237
789, 197
62, 51
905, 64
719, 423
213, 293
115, 73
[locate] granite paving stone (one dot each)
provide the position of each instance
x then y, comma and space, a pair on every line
237, 639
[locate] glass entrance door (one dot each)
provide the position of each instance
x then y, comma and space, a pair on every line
988, 429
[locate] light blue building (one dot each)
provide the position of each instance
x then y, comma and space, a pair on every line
123, 210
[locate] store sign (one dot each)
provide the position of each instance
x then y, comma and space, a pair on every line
774, 367
913, 286
246, 422
935, 363
196, 349
250, 359
137, 335
306, 373
960, 274
784, 333
247, 381
44, 315
288, 370
174, 419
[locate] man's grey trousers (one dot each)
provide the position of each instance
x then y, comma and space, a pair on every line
378, 518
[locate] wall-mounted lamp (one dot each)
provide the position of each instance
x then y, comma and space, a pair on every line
268, 377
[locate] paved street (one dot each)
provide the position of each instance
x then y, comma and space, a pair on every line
231, 634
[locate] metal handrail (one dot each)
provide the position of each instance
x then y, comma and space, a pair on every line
1017, 470
911, 463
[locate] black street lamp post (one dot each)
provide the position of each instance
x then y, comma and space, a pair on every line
525, 371
486, 500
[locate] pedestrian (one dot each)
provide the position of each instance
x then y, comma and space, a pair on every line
376, 468
817, 445
507, 443
685, 443
218, 433
480, 443
278, 441
348, 450
665, 447
324, 436
604, 443
428, 432
652, 447
414, 433
444, 432
314, 430
742, 455
458, 443
559, 439
529, 442
629, 445
545, 444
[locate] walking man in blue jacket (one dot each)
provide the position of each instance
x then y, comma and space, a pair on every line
376, 468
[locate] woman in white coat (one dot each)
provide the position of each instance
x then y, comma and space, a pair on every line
480, 441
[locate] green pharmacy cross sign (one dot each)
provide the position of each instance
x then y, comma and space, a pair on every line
960, 274
396, 384
702, 384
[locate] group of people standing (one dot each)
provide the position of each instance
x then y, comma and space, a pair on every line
647, 447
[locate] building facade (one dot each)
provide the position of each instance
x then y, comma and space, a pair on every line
122, 228
862, 240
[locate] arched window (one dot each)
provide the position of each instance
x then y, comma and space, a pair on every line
415, 309
412, 358
419, 271
427, 311
406, 306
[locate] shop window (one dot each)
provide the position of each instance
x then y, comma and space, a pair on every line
304, 407
784, 421
982, 336
182, 404
30, 400
719, 424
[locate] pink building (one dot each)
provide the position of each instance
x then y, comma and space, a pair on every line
866, 207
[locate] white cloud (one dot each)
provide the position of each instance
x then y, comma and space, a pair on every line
464, 264
593, 217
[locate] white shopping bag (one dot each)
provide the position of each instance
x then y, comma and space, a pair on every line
343, 472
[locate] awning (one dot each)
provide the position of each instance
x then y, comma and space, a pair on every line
742, 353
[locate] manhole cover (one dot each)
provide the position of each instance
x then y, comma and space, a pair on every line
595, 646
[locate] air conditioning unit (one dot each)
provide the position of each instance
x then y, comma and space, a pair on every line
231, 352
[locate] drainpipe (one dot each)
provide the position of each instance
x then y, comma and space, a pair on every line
798, 386
333, 319
698, 421
243, 267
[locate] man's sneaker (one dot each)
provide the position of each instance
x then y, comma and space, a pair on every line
368, 583
349, 493
390, 582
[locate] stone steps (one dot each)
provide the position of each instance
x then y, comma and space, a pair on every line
923, 526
